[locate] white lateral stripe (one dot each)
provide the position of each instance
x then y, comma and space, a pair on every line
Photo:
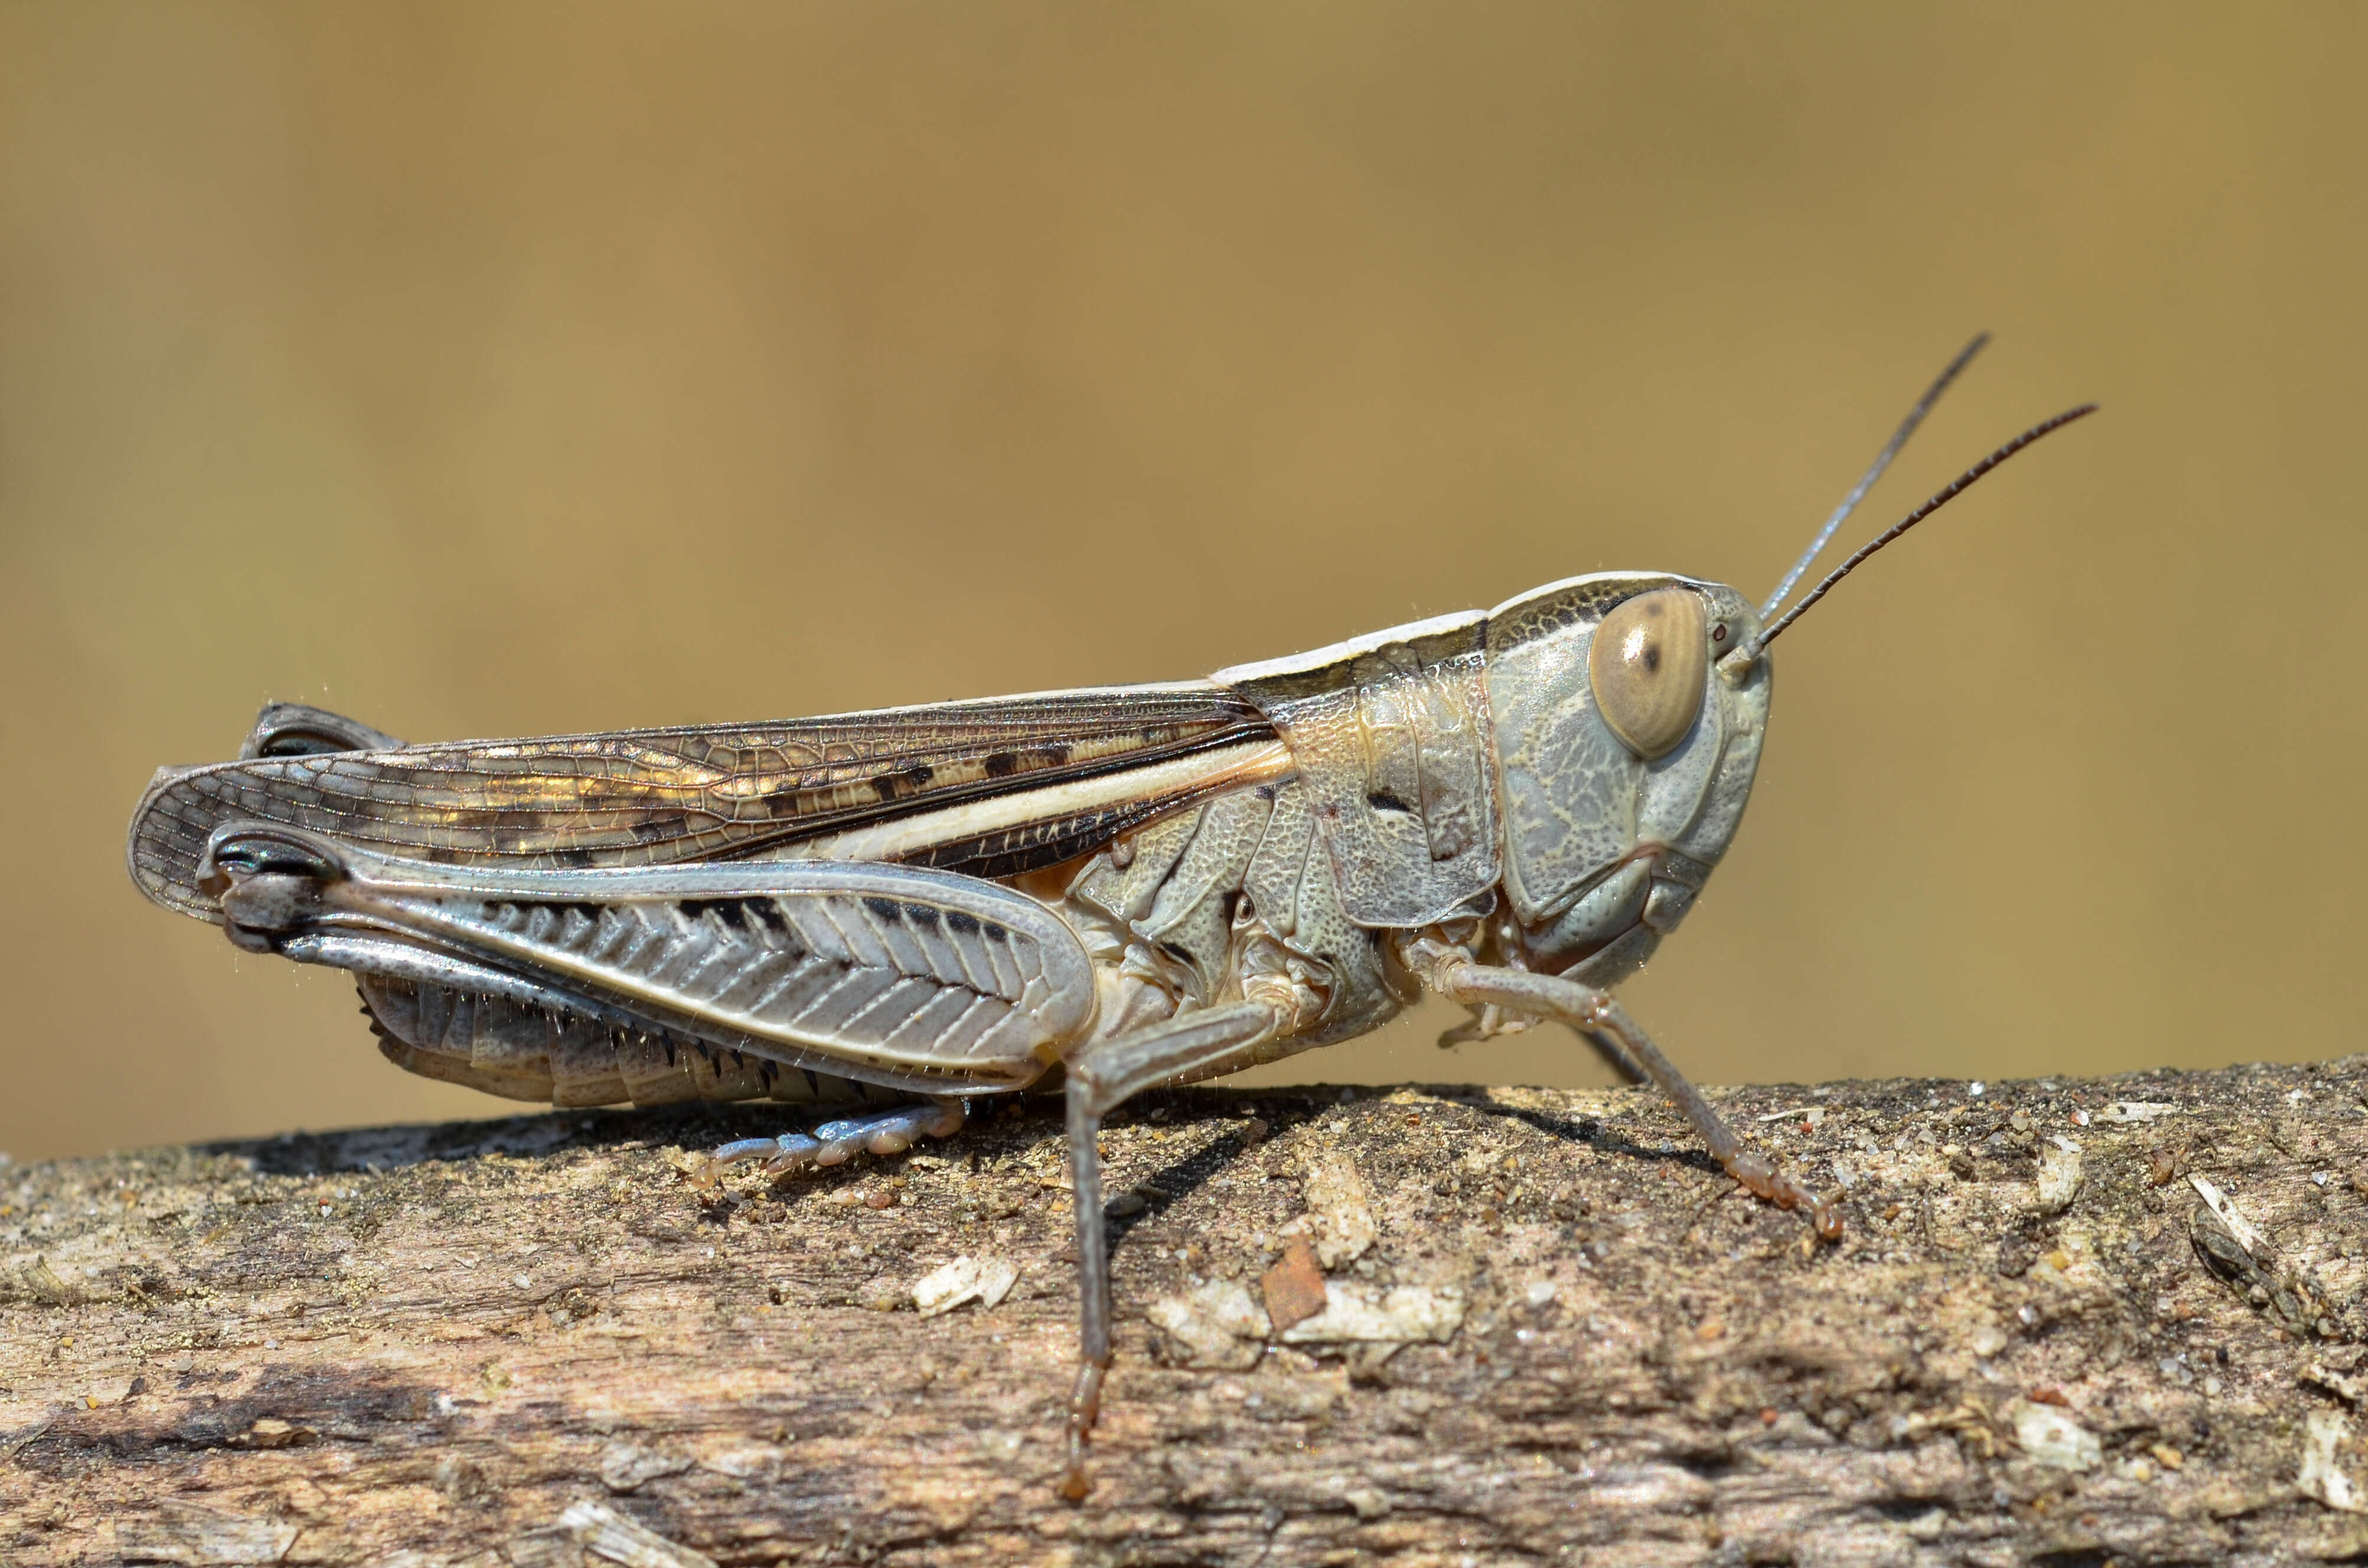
1246, 762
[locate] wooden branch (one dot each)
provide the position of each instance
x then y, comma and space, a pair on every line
533, 1342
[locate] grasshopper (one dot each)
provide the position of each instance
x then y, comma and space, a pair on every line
891, 913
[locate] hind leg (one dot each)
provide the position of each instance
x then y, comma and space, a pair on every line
889, 1132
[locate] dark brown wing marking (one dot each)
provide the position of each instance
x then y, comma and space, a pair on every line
1031, 847
668, 796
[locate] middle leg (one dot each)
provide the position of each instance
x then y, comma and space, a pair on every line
1101, 1077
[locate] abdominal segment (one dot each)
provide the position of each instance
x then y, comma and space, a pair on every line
524, 1053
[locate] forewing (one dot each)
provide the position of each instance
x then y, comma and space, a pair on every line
640, 798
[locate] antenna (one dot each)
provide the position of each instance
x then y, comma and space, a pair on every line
1751, 649
1875, 471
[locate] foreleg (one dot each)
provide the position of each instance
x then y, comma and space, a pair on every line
1602, 1019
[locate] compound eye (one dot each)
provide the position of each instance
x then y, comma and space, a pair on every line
1648, 664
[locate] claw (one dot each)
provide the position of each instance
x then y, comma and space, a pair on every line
707, 1171
1826, 1217
786, 1152
1763, 1179
1084, 1406
1463, 1033
1486, 1022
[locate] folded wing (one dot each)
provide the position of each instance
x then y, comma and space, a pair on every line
681, 796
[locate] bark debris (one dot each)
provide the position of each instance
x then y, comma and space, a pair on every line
2071, 1321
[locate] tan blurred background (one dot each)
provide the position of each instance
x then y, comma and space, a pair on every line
483, 370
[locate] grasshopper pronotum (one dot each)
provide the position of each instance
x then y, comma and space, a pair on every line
1138, 885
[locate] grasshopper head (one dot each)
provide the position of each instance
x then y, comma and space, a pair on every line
1629, 710
1625, 748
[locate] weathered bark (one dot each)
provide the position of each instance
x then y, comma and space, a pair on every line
529, 1340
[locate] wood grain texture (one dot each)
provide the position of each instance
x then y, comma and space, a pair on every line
533, 1340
